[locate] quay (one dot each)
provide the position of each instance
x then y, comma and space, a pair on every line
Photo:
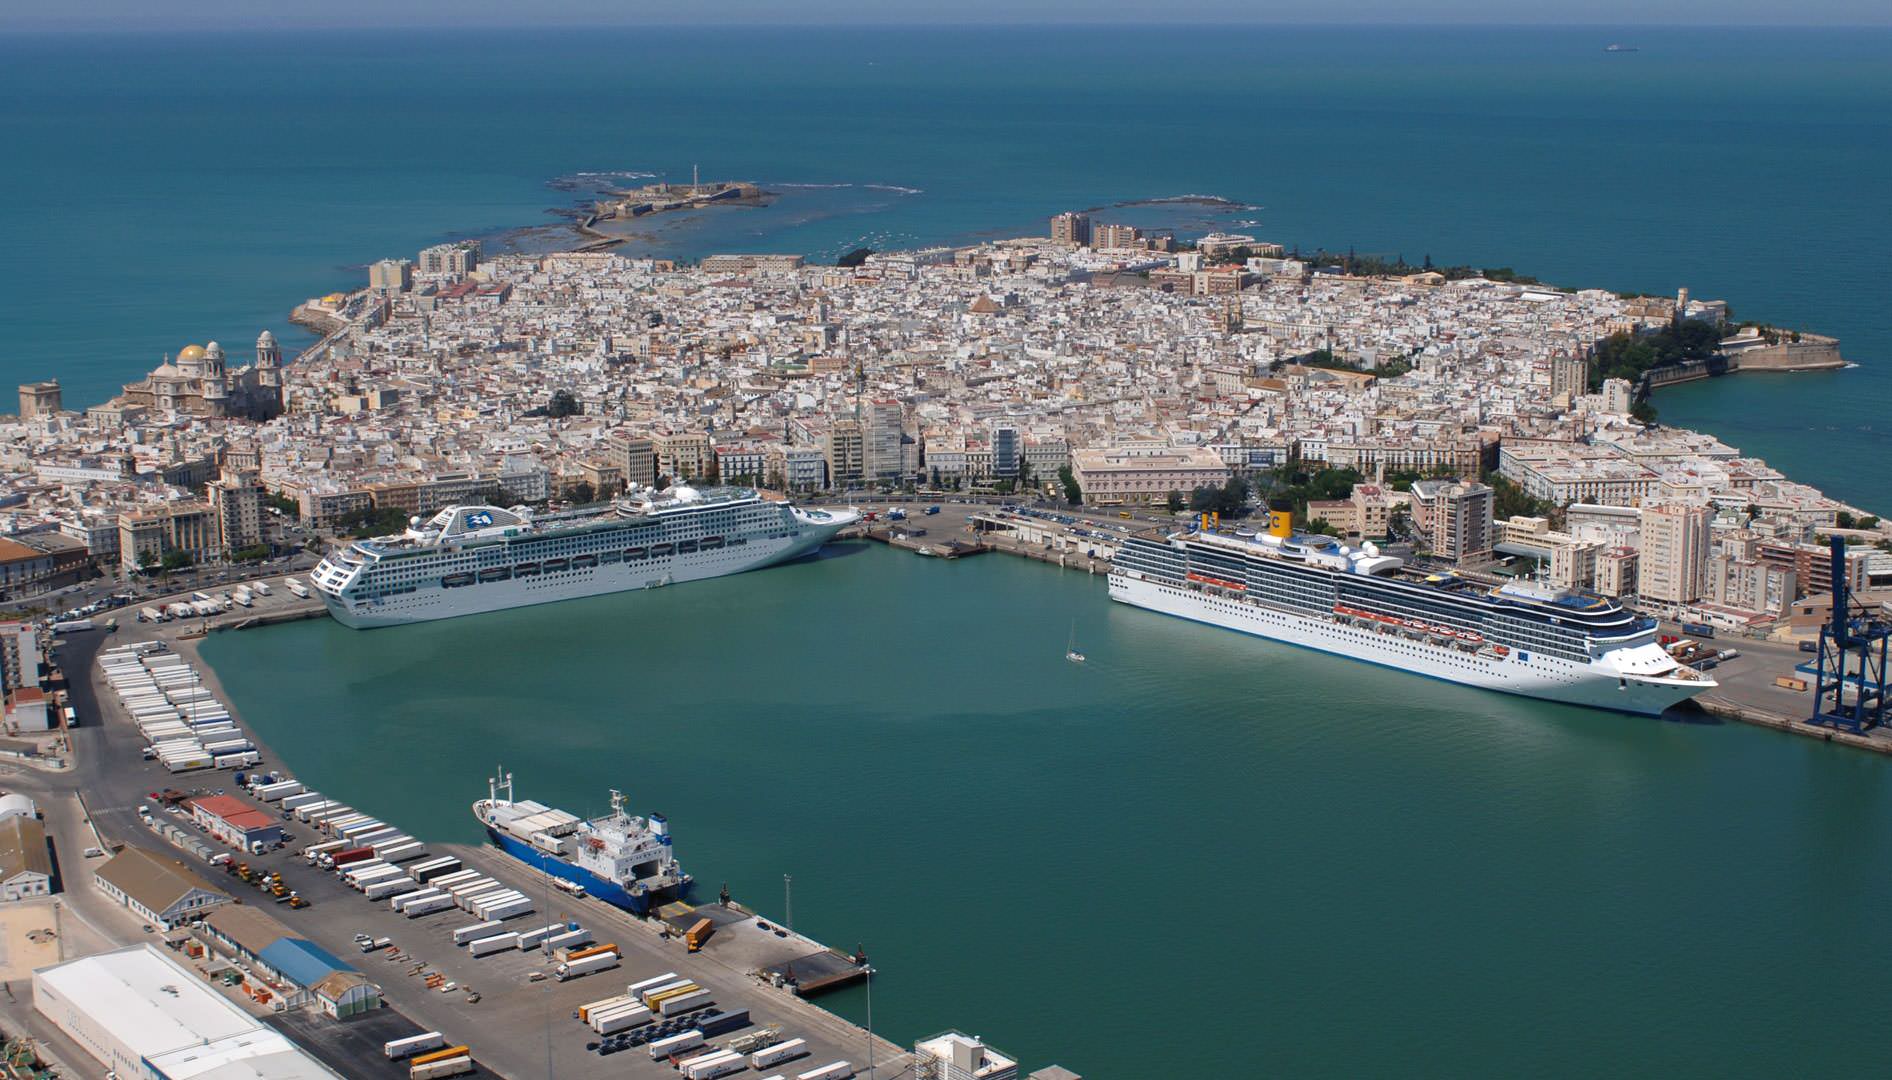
518, 1021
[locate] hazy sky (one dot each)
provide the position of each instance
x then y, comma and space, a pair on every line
209, 14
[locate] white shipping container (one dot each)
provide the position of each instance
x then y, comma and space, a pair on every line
396, 1049
415, 909
307, 798
510, 909
447, 881
839, 1070
649, 992
508, 942
400, 901
402, 853
637, 988
382, 890
569, 939
780, 1052
714, 1066
675, 1044
532, 939
464, 934
624, 1018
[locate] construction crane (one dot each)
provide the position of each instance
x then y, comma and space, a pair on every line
1852, 658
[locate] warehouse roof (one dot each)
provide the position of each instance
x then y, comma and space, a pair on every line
23, 848
151, 1005
153, 880
301, 962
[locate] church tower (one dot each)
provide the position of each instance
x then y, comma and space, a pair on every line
216, 386
268, 361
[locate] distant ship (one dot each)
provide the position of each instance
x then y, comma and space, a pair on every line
1313, 591
470, 559
618, 858
1621, 48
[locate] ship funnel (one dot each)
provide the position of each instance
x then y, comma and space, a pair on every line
1280, 518
660, 826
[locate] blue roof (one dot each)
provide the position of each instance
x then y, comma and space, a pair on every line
301, 962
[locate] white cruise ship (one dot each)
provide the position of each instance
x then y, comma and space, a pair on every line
469, 559
1518, 637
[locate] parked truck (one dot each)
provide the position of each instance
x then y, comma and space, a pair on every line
588, 965
452, 1061
698, 934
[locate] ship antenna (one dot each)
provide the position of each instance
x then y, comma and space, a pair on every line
617, 803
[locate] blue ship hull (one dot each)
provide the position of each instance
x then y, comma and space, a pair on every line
608, 891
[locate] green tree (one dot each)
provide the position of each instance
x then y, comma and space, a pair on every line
1321, 527
253, 553
176, 559
1072, 493
854, 258
582, 492
1174, 501
147, 560
1230, 500
564, 403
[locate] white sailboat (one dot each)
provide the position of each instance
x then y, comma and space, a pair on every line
1070, 650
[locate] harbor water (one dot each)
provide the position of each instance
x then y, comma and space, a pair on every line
1194, 844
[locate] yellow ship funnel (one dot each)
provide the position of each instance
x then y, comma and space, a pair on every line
1280, 518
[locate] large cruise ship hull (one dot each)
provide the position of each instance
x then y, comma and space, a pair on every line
1543, 676
609, 891
433, 601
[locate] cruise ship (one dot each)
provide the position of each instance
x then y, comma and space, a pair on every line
470, 559
618, 858
1519, 637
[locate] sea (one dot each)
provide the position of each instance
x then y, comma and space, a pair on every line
1196, 851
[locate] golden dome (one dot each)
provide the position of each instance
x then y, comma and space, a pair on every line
189, 353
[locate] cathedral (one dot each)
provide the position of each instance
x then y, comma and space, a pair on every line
197, 383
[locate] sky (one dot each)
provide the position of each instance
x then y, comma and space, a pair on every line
146, 15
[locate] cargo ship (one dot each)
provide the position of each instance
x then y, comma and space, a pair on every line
1518, 637
618, 858
470, 559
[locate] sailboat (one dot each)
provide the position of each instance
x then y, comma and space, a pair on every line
1070, 650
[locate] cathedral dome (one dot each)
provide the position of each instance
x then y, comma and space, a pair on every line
213, 349
190, 353
266, 338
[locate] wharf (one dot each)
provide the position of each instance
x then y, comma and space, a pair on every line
518, 1021
917, 541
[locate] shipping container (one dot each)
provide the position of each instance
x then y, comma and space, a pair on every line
637, 988
464, 934
675, 1044
471, 887
620, 1019
1789, 683
396, 1049
363, 866
711, 1066
435, 867
510, 909
428, 906
678, 1004
444, 1067
473, 898
279, 791
1702, 630
354, 833
447, 881
716, 1023
307, 798
349, 855
532, 939
569, 940
384, 890
780, 1052
615, 1001
651, 994
839, 1070
399, 901
403, 853
483, 946
240, 760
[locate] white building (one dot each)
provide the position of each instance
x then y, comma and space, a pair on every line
953, 1056
143, 1014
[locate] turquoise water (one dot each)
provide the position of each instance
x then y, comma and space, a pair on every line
1343, 870
166, 189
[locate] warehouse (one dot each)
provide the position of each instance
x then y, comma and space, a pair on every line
297, 971
142, 1014
237, 823
159, 889
26, 870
